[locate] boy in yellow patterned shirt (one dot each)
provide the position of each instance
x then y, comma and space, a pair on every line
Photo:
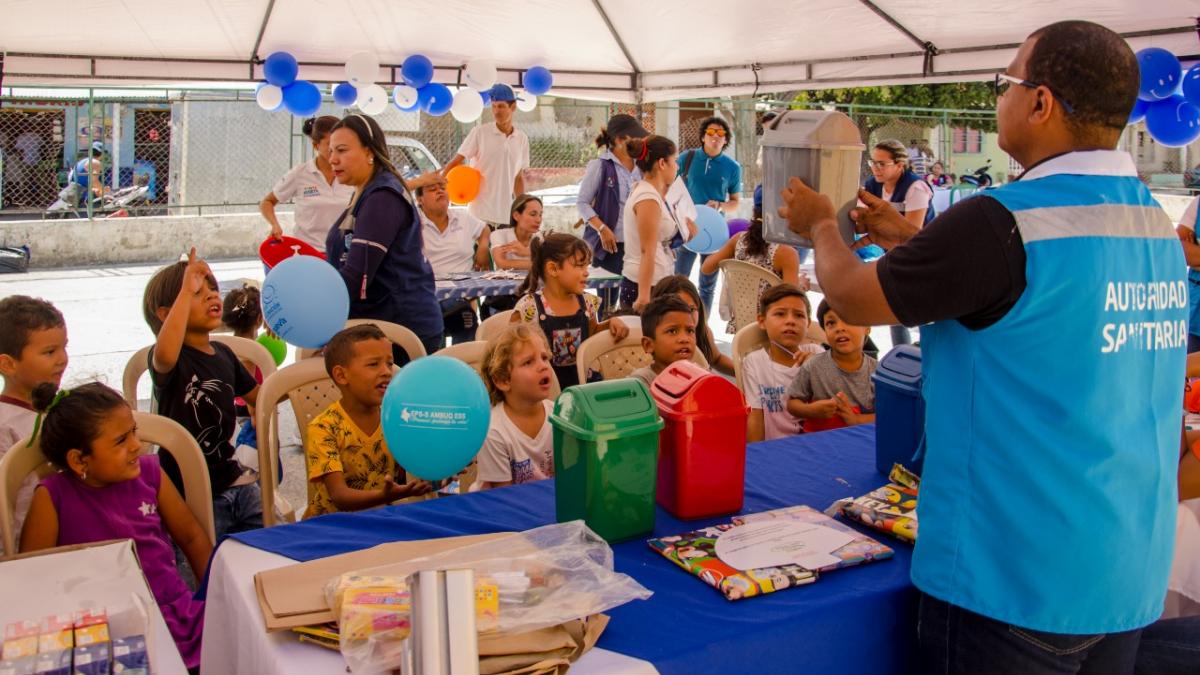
349, 466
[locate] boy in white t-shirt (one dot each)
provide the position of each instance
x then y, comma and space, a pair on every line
519, 447
767, 373
33, 350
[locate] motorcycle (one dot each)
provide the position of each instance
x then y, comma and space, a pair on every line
979, 177
114, 204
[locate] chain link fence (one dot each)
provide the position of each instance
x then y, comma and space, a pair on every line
198, 152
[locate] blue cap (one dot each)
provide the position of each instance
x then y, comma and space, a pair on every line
98, 146
502, 92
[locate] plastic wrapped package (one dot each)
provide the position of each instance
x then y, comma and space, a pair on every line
523, 582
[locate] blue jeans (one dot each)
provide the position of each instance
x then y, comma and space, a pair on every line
1170, 647
684, 259
951, 639
237, 509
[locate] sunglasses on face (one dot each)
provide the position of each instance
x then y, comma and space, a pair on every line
1003, 81
715, 131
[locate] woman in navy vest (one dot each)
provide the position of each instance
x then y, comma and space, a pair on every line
893, 180
604, 189
376, 244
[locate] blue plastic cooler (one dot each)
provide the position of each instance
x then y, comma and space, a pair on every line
899, 410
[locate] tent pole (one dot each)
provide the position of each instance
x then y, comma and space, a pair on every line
636, 76
258, 40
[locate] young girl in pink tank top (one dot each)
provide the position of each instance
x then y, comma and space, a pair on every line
107, 489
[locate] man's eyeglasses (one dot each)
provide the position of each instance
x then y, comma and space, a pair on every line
879, 163
1003, 81
714, 131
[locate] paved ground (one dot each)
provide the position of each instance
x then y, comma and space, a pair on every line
103, 310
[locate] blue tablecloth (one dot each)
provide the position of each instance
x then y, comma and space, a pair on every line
475, 286
857, 620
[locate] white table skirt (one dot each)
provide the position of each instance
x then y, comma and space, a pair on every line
236, 642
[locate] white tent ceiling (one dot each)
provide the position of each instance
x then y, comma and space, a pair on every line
618, 50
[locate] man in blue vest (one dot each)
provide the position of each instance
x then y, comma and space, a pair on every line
1057, 312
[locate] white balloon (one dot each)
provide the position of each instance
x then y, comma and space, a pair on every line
362, 69
526, 101
269, 97
372, 99
467, 106
480, 74
404, 96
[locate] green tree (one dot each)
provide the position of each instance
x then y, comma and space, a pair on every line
973, 96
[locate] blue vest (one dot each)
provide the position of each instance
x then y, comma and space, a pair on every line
607, 205
906, 181
1194, 287
1052, 436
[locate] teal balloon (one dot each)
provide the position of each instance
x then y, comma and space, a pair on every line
537, 81
711, 231
435, 416
438, 99
277, 347
417, 71
345, 94
302, 98
280, 69
304, 301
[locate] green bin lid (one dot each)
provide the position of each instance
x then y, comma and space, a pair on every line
611, 407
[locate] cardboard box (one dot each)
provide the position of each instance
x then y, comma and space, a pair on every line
54, 663
129, 656
294, 596
93, 660
22, 666
91, 627
21, 639
56, 634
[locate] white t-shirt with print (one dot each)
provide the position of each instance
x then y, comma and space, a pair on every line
503, 237
765, 384
318, 203
918, 197
664, 258
499, 158
508, 455
453, 250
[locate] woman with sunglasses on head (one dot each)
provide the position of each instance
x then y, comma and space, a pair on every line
893, 180
376, 244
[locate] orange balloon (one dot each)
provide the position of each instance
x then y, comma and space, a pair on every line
462, 184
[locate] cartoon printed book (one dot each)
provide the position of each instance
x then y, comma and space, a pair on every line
696, 552
891, 508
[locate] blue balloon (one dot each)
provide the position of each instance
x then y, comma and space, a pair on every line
537, 81
1139, 111
280, 69
345, 94
1160, 73
1173, 122
1191, 85
487, 97
417, 71
438, 99
302, 98
435, 416
711, 231
304, 301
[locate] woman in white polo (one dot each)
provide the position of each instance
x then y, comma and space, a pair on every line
319, 199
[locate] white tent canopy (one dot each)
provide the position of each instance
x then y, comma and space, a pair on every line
617, 50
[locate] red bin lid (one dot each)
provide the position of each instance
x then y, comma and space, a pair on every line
686, 388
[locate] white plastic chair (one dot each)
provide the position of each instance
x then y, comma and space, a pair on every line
492, 325
472, 353
25, 458
399, 335
746, 283
614, 360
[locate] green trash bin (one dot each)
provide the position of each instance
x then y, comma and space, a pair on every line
606, 457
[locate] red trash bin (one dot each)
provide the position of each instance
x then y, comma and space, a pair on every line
702, 446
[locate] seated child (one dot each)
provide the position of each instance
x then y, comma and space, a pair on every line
668, 335
242, 313
349, 466
107, 489
767, 373
33, 350
554, 297
683, 287
519, 447
195, 382
834, 389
